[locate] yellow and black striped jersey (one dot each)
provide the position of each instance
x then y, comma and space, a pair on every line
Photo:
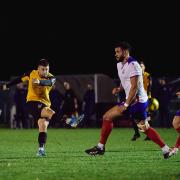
147, 83
37, 92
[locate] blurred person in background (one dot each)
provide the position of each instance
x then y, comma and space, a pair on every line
163, 93
70, 107
88, 106
21, 116
57, 101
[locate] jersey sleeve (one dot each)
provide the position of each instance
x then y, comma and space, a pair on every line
17, 80
25, 76
149, 86
50, 81
134, 69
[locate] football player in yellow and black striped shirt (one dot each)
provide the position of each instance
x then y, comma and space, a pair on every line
38, 102
147, 80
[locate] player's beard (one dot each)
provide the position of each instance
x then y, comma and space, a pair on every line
121, 59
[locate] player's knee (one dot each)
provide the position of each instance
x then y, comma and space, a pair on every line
47, 112
43, 124
143, 126
106, 117
50, 112
176, 123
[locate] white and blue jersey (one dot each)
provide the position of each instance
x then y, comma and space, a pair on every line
126, 71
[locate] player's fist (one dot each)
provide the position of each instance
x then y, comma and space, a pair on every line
35, 81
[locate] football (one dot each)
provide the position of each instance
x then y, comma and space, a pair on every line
153, 105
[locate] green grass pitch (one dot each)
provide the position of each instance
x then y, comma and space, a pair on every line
66, 158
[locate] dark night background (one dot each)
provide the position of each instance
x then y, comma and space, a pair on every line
79, 40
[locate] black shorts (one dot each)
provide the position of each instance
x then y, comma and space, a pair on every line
34, 108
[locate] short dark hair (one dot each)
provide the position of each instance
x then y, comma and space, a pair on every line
43, 62
123, 45
142, 62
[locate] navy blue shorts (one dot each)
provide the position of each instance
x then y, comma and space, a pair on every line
137, 111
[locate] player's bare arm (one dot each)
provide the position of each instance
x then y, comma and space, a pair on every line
15, 81
133, 90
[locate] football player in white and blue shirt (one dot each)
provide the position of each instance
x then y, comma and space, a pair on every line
130, 75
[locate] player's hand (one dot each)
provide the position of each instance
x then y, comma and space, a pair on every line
4, 87
178, 94
115, 91
122, 108
35, 81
